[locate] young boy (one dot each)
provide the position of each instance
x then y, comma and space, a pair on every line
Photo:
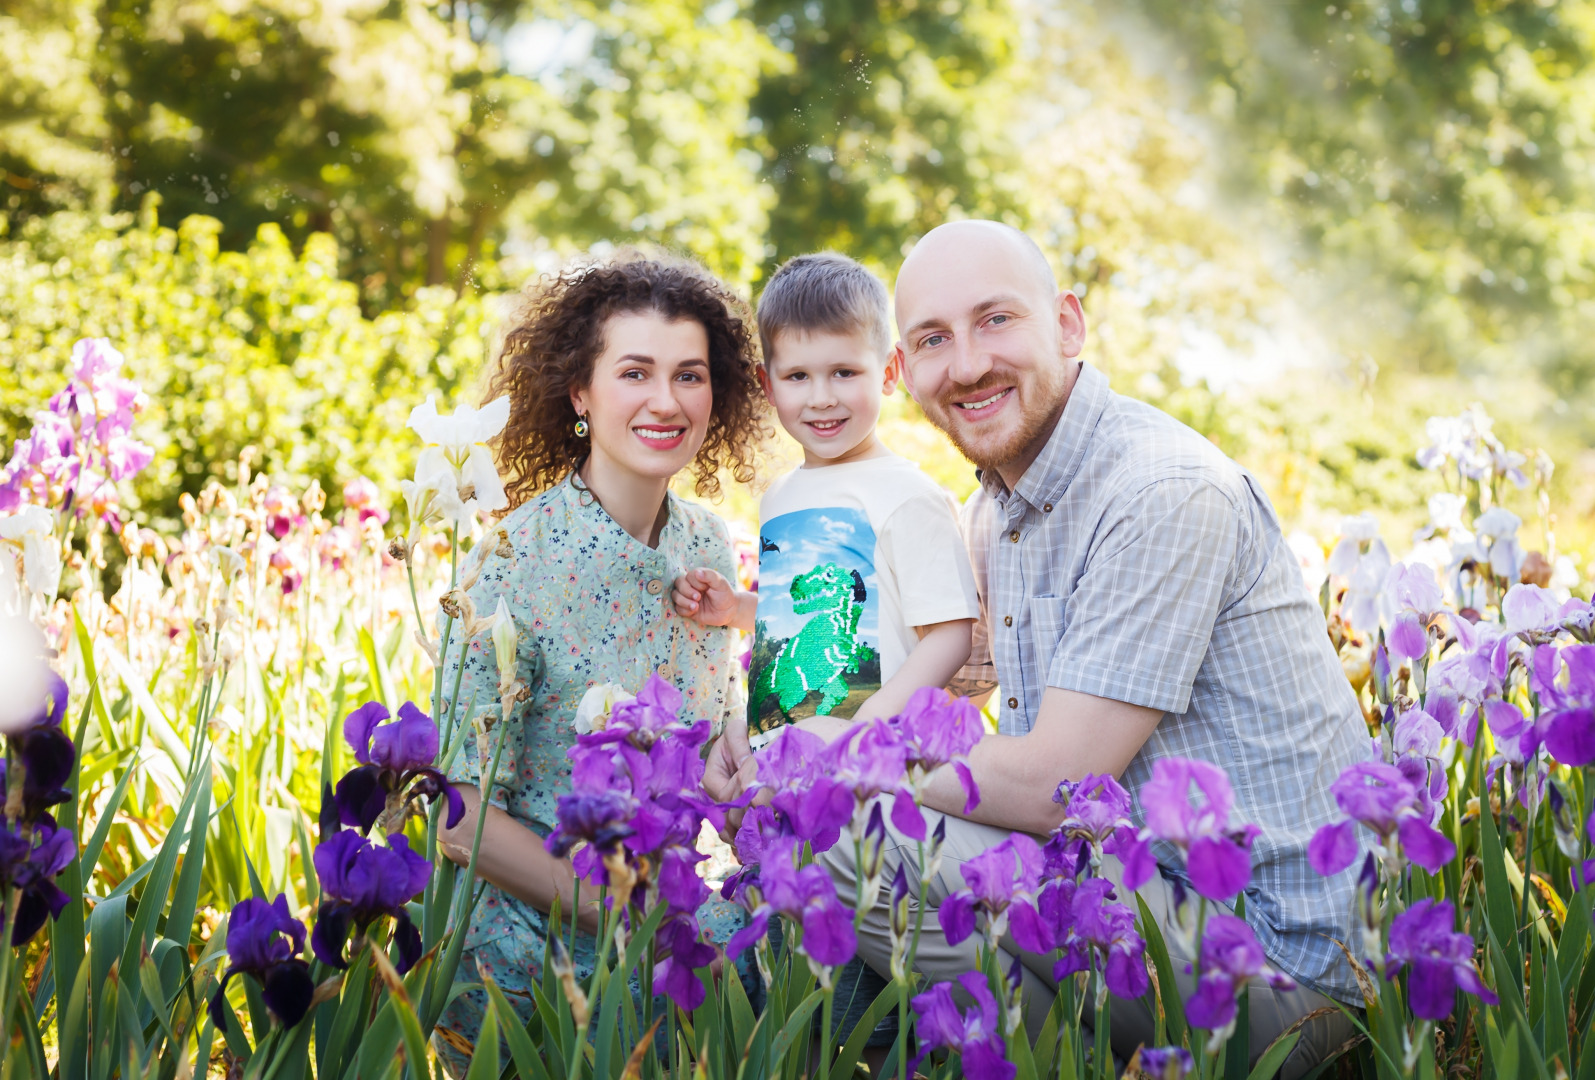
865, 589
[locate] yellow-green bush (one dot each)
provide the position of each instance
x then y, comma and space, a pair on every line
263, 348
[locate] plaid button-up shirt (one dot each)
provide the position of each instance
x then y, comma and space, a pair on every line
1134, 561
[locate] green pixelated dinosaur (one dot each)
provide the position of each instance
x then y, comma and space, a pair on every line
817, 656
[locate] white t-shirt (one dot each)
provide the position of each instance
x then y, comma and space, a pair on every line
852, 557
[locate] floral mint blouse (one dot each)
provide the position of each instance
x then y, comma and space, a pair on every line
591, 605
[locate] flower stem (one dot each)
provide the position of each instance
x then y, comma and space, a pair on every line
8, 960
828, 995
1532, 798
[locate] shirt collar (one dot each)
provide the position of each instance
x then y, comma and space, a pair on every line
1049, 475
584, 506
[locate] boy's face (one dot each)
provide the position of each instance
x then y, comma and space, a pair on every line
827, 390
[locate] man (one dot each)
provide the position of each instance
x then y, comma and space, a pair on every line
1140, 603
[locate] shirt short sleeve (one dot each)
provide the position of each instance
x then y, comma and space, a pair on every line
1140, 618
926, 552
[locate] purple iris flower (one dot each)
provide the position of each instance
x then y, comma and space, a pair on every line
650, 714
1003, 882
934, 729
1569, 709
808, 898
813, 805
29, 864
685, 953
1229, 958
1217, 856
758, 830
1381, 797
1096, 812
1167, 1062
870, 759
667, 781
396, 768
1441, 960
360, 883
599, 818
975, 1034
264, 940
46, 753
1097, 923
680, 885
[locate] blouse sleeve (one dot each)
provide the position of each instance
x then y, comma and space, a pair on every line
478, 699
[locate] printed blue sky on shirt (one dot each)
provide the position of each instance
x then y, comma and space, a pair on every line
807, 538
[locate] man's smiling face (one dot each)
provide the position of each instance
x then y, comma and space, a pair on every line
987, 341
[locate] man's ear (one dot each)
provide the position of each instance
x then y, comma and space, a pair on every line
764, 382
898, 364
1071, 324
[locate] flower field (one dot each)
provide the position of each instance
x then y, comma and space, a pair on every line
227, 763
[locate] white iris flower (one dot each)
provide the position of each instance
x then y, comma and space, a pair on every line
456, 465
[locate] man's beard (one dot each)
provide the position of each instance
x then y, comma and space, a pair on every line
1041, 405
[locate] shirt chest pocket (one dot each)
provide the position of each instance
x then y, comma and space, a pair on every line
1048, 615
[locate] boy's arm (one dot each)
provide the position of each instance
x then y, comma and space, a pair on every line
712, 600
941, 652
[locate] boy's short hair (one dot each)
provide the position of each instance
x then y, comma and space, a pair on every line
827, 293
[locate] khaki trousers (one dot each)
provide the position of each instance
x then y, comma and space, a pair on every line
1131, 1023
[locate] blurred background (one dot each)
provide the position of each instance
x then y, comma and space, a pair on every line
1302, 228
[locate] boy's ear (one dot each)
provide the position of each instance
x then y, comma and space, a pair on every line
764, 382
893, 372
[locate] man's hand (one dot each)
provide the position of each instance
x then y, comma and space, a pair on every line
707, 596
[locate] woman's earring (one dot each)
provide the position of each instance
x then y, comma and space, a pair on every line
581, 427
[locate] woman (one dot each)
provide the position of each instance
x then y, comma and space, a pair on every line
620, 376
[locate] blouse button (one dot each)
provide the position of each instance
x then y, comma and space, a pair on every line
655, 586
1014, 536
1013, 703
1007, 620
667, 672
1046, 508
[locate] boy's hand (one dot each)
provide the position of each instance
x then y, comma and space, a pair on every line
708, 597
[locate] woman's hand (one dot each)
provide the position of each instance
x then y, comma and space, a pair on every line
706, 595
730, 769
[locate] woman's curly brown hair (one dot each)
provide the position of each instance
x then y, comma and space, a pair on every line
559, 334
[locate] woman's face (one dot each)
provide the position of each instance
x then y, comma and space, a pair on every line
649, 401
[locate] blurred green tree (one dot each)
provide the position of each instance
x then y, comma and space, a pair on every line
263, 348
1436, 158
887, 119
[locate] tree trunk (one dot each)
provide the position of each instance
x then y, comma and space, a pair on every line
437, 244
473, 248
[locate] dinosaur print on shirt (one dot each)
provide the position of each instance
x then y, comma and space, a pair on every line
816, 648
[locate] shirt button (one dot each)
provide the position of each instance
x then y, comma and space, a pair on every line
1013, 703
1014, 536
1007, 620
667, 672
655, 587
1046, 508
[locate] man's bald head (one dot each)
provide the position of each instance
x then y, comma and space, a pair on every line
956, 242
